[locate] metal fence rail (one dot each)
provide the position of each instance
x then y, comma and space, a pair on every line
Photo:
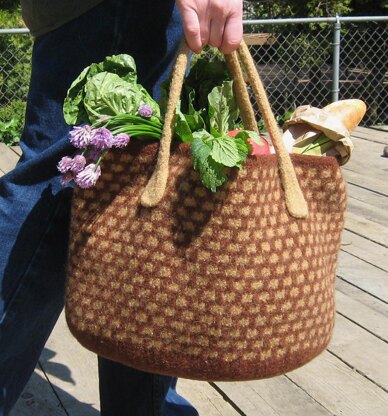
302, 61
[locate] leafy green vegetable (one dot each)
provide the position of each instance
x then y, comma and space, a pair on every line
225, 151
107, 88
213, 155
223, 110
207, 112
108, 94
182, 128
243, 149
202, 78
211, 172
314, 146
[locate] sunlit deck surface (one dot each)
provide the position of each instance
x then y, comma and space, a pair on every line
349, 379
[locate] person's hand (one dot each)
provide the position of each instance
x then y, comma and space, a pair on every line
212, 22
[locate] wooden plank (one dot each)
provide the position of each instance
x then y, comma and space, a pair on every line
371, 230
76, 383
365, 151
363, 275
367, 160
256, 39
361, 350
72, 371
364, 249
374, 135
38, 398
277, 396
205, 398
339, 388
376, 209
362, 297
8, 158
365, 181
367, 168
363, 315
17, 150
360, 194
371, 131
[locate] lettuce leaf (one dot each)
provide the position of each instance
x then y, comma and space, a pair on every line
222, 109
107, 88
108, 94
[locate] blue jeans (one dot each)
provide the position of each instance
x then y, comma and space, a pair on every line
34, 207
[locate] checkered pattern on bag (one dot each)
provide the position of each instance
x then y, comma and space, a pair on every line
211, 286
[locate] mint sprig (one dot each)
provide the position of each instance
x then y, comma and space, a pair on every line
213, 155
225, 151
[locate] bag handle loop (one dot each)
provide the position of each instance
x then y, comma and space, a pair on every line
155, 188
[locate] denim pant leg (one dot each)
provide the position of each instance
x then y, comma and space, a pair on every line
136, 393
34, 208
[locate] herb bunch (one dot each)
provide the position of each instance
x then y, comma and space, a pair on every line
107, 107
205, 116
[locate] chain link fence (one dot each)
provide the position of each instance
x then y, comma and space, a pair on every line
296, 59
298, 66
15, 56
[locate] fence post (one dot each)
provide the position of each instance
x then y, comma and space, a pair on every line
336, 59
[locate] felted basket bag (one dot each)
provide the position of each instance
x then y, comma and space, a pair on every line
168, 277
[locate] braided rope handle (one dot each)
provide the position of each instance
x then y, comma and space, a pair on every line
156, 186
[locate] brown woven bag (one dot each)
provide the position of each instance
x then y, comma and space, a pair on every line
232, 285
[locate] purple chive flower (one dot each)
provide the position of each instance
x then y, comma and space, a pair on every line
102, 138
65, 164
88, 177
145, 111
66, 178
78, 164
80, 136
121, 140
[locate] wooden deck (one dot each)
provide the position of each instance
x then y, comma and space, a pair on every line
349, 379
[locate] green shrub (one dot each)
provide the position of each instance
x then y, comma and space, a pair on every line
15, 55
12, 122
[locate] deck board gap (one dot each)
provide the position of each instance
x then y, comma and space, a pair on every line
368, 189
308, 394
52, 388
379, 141
357, 371
227, 399
360, 258
360, 288
366, 238
362, 327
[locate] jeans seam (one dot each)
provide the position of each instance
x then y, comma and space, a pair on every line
33, 256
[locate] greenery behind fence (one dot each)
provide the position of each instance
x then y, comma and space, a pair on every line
296, 68
15, 55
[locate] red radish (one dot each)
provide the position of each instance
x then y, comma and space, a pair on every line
256, 149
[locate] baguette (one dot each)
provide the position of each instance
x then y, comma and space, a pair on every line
350, 112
